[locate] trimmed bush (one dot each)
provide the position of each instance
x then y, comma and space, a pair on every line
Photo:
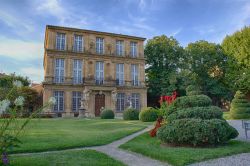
240, 106
131, 114
148, 114
197, 132
193, 90
189, 101
211, 112
107, 114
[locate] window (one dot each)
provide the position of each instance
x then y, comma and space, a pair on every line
134, 75
77, 71
99, 73
60, 41
76, 100
120, 74
120, 104
99, 45
133, 49
59, 71
135, 99
59, 96
78, 43
119, 47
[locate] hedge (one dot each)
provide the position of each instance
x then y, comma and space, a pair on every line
211, 112
107, 114
189, 101
131, 114
197, 132
148, 114
240, 106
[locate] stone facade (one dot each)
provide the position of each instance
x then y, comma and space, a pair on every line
60, 43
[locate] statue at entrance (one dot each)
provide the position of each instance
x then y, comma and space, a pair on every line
83, 111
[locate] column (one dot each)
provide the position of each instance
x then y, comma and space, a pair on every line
67, 103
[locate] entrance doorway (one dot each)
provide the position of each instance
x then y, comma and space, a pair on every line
99, 103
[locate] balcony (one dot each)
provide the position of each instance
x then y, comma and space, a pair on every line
119, 82
135, 83
90, 81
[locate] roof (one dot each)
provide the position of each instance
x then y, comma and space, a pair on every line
94, 32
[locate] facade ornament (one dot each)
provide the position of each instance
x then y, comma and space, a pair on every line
114, 95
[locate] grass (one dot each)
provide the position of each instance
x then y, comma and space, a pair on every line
72, 158
57, 134
179, 156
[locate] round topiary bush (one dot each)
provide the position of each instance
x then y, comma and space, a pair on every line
192, 120
148, 114
131, 114
240, 106
107, 114
211, 112
197, 132
189, 101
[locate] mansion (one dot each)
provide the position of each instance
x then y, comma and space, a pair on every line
107, 69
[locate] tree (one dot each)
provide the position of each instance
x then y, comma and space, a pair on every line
6, 83
164, 56
237, 48
207, 63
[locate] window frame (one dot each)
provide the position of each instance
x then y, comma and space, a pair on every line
76, 100
119, 47
78, 43
99, 72
100, 45
77, 71
59, 41
120, 73
120, 102
135, 74
59, 105
133, 49
59, 68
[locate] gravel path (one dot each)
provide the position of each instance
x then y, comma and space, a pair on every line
235, 160
127, 157
238, 125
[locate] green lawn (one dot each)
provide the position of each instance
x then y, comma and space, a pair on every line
72, 158
55, 134
179, 156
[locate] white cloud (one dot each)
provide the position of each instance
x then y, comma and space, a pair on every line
21, 26
65, 15
21, 50
35, 73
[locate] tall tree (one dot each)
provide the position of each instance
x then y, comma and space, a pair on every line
237, 48
207, 63
164, 56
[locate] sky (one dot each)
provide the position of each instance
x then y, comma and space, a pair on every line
23, 22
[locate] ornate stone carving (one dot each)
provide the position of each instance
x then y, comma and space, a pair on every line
114, 95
